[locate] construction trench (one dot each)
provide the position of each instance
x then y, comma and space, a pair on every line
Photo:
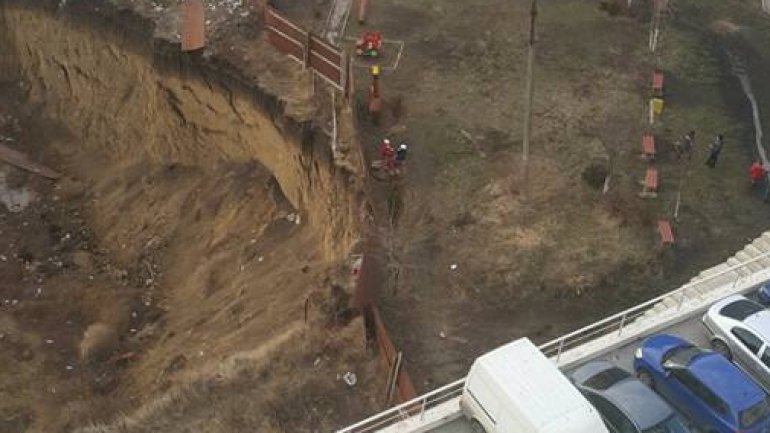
195, 252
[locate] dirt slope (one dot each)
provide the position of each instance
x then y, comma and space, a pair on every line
198, 231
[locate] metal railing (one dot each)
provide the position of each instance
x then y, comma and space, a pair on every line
416, 407
617, 322
553, 349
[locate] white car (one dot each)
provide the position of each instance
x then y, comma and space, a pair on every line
740, 330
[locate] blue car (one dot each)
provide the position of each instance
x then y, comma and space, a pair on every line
716, 395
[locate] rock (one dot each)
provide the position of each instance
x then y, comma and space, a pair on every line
99, 340
82, 259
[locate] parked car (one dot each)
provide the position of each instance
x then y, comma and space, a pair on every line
714, 393
626, 404
740, 330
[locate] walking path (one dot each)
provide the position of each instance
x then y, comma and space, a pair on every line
334, 28
740, 70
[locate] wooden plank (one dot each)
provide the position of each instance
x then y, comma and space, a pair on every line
193, 25
326, 50
274, 19
21, 160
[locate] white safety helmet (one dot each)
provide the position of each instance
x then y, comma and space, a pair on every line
402, 146
386, 141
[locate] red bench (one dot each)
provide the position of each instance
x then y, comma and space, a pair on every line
648, 146
665, 232
657, 83
650, 183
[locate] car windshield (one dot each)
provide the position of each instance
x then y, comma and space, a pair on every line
740, 310
680, 356
672, 424
606, 378
755, 413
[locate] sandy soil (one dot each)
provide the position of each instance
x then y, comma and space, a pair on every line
195, 250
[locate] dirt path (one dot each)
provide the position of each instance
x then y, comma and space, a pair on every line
336, 21
740, 71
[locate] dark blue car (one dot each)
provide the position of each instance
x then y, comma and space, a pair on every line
716, 395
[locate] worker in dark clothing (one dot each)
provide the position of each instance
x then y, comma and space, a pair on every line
687, 146
401, 153
714, 150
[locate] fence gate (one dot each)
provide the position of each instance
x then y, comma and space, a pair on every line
312, 51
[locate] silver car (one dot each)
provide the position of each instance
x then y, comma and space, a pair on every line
740, 330
625, 403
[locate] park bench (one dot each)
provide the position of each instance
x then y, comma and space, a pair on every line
650, 183
648, 146
657, 84
665, 232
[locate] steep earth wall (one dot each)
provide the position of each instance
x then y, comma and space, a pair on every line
134, 96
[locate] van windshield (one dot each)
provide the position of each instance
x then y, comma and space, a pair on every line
672, 424
755, 413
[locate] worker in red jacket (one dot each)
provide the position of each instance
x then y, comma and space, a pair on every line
757, 173
387, 154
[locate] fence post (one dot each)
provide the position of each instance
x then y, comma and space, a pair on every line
622, 322
681, 298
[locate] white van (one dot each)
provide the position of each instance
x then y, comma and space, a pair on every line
516, 389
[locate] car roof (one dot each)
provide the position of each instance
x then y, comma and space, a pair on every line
760, 324
726, 381
736, 307
638, 402
741, 311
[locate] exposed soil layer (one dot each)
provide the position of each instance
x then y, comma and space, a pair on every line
185, 268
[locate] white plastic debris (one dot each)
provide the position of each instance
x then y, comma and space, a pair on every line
350, 378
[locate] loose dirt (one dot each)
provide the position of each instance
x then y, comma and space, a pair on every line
186, 269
